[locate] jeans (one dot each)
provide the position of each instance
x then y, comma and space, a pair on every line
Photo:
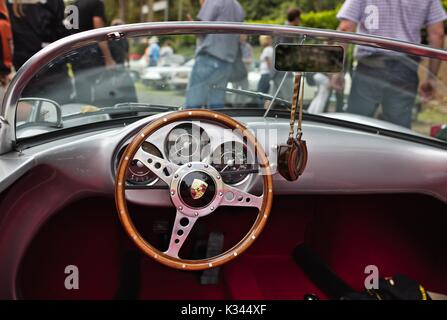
391, 82
264, 87
208, 73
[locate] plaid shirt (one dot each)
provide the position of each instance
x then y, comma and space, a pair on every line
399, 19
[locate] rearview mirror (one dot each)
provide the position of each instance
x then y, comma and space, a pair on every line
39, 111
309, 58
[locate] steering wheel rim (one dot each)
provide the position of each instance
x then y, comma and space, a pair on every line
171, 259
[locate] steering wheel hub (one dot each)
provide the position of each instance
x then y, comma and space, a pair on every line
197, 189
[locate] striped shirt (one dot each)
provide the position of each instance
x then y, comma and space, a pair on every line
399, 19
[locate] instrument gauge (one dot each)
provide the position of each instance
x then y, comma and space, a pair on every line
138, 173
232, 161
187, 142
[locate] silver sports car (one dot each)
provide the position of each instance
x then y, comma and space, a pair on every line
110, 189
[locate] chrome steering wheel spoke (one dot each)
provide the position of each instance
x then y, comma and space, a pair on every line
235, 197
163, 168
182, 227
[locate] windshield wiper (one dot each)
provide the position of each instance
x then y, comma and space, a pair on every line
253, 94
124, 109
139, 105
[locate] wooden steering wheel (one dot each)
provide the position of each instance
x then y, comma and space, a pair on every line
189, 209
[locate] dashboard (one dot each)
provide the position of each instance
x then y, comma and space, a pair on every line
193, 141
341, 160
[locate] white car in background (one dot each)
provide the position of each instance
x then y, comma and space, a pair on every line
172, 75
175, 76
139, 66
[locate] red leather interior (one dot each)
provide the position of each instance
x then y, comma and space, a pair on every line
400, 234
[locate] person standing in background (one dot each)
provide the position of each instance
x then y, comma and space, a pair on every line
323, 84
166, 53
90, 60
124, 84
153, 52
266, 66
294, 17
35, 24
215, 56
119, 49
92, 16
383, 77
5, 47
246, 52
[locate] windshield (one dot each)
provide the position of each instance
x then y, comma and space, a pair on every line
156, 74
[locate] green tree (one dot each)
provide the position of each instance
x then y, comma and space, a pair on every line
130, 10
276, 9
272, 10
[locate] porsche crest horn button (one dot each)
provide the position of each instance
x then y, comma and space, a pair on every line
198, 189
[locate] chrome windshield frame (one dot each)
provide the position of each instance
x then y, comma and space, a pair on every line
65, 45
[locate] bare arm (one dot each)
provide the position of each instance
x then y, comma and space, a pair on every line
98, 22
347, 26
436, 36
436, 39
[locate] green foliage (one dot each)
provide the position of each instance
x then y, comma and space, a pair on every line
276, 9
256, 10
444, 3
323, 19
261, 9
133, 14
111, 9
187, 39
267, 21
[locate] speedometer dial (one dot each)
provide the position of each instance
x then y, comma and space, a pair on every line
231, 160
187, 142
138, 173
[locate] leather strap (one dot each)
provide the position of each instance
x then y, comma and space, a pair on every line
296, 92
299, 134
297, 99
